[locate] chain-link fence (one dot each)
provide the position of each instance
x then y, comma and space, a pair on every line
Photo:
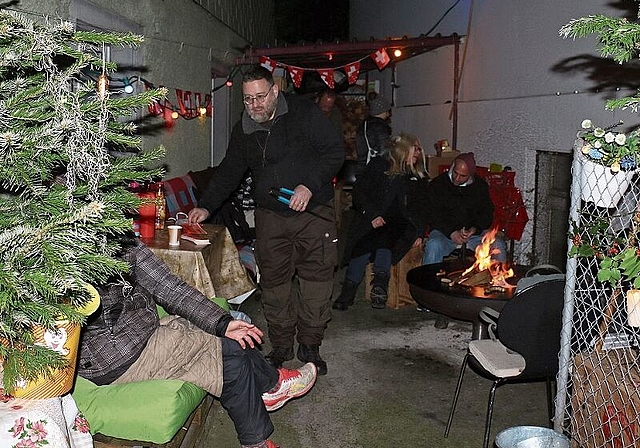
598, 400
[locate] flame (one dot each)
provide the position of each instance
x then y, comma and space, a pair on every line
500, 272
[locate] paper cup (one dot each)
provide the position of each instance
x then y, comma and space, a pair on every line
174, 235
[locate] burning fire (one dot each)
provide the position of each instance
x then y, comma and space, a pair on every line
500, 272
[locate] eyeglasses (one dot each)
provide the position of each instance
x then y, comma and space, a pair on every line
260, 97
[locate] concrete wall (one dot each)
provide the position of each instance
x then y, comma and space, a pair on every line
184, 41
514, 101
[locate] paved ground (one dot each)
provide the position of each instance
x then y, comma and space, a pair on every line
391, 379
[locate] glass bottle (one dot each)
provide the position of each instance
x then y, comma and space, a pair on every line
161, 207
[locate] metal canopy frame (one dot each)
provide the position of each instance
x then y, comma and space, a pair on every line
336, 55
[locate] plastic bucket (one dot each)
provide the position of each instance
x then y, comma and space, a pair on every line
531, 437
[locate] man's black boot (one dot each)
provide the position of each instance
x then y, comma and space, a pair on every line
311, 353
347, 296
379, 286
279, 355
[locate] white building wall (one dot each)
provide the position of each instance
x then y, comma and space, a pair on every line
513, 101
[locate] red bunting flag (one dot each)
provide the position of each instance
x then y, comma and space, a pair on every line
296, 74
381, 58
207, 103
155, 108
327, 77
352, 70
183, 109
192, 110
268, 63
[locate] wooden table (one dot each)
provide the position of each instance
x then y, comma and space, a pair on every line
214, 269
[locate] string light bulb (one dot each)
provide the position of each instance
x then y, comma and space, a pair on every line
175, 115
202, 110
397, 52
128, 88
229, 82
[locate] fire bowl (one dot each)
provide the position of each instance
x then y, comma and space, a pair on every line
458, 301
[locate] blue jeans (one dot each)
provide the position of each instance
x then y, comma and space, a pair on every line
439, 245
357, 266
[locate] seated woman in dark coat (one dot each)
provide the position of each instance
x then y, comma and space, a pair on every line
388, 197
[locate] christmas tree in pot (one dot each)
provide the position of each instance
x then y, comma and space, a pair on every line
63, 197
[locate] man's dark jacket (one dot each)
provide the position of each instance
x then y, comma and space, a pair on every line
300, 147
451, 208
378, 134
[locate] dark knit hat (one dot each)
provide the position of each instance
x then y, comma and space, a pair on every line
379, 105
469, 160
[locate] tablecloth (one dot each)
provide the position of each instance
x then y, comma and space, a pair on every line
52, 423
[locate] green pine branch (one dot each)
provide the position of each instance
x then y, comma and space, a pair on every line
617, 37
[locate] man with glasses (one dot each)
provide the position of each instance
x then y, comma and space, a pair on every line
293, 152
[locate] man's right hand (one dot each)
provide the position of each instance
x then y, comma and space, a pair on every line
197, 215
458, 237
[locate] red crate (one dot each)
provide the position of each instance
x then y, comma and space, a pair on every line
505, 178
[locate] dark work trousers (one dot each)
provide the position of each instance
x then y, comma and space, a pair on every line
247, 375
307, 245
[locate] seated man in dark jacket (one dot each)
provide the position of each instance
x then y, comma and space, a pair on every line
460, 211
125, 341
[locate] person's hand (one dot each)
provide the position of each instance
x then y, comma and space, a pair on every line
197, 215
378, 222
244, 333
417, 242
300, 198
468, 233
457, 237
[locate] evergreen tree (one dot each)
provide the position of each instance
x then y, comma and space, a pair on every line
64, 201
618, 39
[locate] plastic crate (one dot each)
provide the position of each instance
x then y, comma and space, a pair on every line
505, 178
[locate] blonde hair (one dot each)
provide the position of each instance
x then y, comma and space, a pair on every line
400, 147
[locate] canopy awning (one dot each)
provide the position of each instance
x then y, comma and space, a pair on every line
336, 55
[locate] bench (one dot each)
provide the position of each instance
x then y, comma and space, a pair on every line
153, 413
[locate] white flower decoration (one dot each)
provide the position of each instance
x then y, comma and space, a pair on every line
609, 137
621, 139
586, 124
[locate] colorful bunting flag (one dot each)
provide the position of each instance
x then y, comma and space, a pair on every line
352, 70
327, 77
268, 63
296, 74
381, 58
